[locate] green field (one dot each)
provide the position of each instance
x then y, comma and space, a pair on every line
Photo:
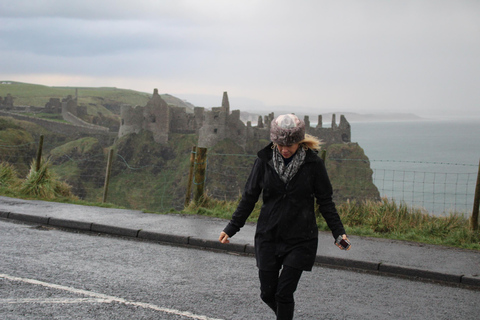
26, 94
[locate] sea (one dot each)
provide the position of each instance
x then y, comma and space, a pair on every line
428, 164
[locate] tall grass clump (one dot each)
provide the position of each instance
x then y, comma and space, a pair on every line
9, 181
43, 183
387, 219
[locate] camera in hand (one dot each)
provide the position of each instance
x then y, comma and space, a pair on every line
345, 244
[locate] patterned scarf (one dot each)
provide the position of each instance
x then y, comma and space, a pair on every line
286, 172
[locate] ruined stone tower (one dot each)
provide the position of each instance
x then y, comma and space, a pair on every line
219, 124
154, 117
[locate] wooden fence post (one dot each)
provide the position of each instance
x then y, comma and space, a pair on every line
39, 153
200, 168
323, 155
107, 175
476, 203
190, 176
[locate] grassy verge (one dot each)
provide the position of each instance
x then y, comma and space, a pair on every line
381, 219
387, 219
41, 184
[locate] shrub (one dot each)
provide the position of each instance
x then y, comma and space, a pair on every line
43, 183
8, 176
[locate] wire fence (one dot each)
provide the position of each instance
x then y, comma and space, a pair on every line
133, 185
227, 174
436, 187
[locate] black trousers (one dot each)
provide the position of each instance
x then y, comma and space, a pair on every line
279, 287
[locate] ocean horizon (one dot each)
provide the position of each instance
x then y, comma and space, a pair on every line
430, 164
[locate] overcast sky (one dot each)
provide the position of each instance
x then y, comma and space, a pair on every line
363, 56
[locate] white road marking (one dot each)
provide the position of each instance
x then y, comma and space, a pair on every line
53, 301
99, 297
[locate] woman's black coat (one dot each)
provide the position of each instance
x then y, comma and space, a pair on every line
286, 231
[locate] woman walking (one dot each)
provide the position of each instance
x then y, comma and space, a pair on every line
291, 177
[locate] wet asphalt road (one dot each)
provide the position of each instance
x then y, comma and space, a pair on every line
47, 273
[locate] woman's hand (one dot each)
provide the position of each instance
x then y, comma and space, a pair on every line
344, 237
223, 237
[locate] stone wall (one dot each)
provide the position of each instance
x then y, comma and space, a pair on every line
154, 117
335, 134
75, 121
219, 126
75, 131
6, 103
69, 104
181, 121
54, 105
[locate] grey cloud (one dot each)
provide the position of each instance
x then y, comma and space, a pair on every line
338, 53
183, 10
67, 37
85, 9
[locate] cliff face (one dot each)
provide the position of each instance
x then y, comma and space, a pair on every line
349, 170
347, 165
165, 171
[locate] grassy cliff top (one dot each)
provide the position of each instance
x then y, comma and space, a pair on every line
27, 94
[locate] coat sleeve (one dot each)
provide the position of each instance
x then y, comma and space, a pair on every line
323, 194
251, 192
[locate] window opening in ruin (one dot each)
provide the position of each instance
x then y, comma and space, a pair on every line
215, 130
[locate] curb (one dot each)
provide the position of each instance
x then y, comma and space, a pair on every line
162, 237
119, 231
79, 225
378, 267
28, 218
347, 263
420, 274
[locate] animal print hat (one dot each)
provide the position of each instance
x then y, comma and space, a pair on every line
287, 129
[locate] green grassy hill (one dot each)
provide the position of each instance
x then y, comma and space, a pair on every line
27, 94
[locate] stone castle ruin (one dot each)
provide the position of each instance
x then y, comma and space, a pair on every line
54, 105
159, 118
69, 110
215, 125
162, 119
